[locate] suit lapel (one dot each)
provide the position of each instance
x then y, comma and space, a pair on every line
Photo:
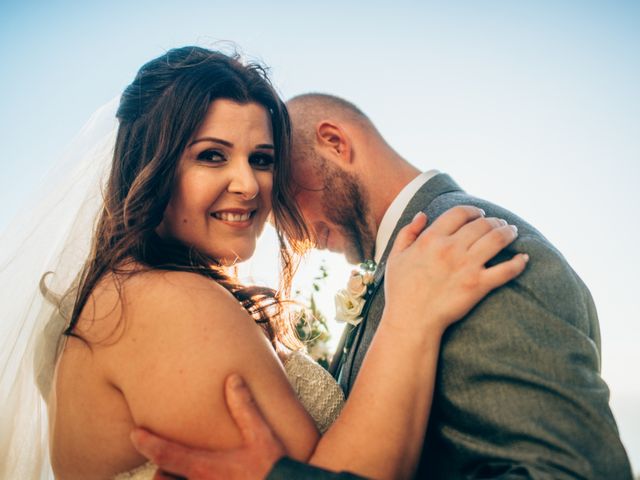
338, 356
436, 186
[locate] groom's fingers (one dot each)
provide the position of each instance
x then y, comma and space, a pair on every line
245, 412
168, 455
408, 234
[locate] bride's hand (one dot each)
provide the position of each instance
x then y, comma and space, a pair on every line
438, 274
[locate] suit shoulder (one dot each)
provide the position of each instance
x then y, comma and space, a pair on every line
549, 278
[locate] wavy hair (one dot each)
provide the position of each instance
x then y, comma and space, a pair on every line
158, 114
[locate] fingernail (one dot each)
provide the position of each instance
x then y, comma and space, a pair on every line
525, 257
514, 228
417, 215
236, 381
482, 212
502, 221
136, 436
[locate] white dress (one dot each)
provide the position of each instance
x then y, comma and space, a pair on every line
316, 389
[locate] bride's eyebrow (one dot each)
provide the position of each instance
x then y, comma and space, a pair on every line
211, 139
266, 146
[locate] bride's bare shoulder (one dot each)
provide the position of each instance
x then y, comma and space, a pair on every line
147, 298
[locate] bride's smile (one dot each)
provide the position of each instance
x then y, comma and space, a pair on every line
237, 217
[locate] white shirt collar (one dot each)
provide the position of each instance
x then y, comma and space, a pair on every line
393, 213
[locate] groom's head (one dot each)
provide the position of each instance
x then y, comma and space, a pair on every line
339, 161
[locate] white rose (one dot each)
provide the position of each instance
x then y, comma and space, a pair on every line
348, 308
356, 285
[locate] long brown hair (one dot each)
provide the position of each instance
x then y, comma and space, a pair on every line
158, 113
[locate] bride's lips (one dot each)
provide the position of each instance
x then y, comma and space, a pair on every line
235, 217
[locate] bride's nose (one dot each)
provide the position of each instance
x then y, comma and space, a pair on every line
243, 181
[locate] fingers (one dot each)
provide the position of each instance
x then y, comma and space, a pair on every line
491, 243
245, 412
453, 219
408, 234
472, 231
503, 272
165, 454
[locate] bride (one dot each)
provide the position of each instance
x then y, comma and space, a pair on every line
154, 321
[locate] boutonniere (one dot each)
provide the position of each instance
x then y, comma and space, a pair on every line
350, 301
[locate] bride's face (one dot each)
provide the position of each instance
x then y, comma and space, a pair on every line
221, 196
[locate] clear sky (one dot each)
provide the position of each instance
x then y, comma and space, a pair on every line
532, 104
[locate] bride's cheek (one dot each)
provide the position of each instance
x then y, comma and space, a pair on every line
266, 190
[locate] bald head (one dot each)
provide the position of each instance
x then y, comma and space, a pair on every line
308, 110
325, 104
346, 175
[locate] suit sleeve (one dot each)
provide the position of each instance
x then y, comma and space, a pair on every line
519, 393
287, 469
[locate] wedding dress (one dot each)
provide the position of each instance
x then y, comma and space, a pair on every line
52, 233
316, 389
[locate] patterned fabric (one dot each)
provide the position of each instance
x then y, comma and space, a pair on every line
316, 389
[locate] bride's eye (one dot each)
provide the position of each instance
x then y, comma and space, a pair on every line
261, 161
212, 156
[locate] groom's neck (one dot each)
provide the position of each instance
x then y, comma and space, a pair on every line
386, 178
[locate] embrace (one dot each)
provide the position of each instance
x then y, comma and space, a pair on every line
476, 354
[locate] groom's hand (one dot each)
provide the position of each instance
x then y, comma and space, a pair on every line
254, 459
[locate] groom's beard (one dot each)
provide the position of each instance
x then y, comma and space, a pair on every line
345, 204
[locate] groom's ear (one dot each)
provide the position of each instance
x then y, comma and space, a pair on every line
334, 141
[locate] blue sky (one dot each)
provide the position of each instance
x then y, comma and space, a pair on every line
534, 105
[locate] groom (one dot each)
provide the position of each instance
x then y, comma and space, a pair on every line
518, 394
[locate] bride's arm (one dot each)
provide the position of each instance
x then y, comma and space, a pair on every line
184, 335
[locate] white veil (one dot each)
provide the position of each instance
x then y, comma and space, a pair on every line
52, 233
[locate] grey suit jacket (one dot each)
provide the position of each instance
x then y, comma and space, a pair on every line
518, 391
